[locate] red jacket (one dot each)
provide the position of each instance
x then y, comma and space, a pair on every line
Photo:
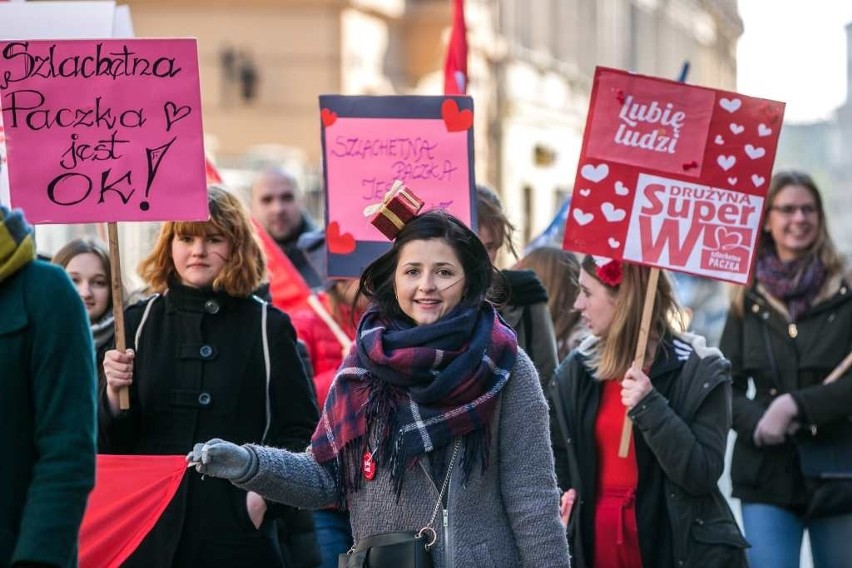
325, 350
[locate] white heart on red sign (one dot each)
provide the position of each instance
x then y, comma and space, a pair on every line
763, 130
585, 192
621, 189
582, 217
726, 162
757, 180
730, 105
613, 243
612, 213
719, 140
754, 152
594, 173
736, 128
732, 181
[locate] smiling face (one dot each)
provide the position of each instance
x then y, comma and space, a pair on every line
199, 259
92, 281
429, 280
793, 221
596, 304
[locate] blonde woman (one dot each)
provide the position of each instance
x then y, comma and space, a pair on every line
660, 506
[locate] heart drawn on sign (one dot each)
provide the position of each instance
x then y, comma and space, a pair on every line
612, 213
585, 192
621, 189
732, 180
730, 105
754, 152
329, 117
582, 217
454, 119
595, 173
736, 128
719, 140
338, 243
613, 243
757, 180
726, 162
728, 240
763, 130
175, 113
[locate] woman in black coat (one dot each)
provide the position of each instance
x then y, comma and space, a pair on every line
207, 359
785, 333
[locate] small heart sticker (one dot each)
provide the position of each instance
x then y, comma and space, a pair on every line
329, 117
454, 119
339, 243
594, 173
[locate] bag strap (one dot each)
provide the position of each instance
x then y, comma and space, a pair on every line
268, 366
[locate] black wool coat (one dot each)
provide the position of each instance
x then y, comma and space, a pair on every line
199, 373
805, 352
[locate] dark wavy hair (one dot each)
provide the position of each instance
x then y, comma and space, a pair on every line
377, 281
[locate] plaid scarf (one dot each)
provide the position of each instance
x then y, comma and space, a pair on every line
17, 246
405, 390
795, 283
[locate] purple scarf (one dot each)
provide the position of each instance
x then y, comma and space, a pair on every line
795, 283
414, 389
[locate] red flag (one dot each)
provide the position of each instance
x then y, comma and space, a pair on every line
211, 171
130, 494
455, 66
288, 289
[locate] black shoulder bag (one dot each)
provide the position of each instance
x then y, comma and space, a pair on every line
825, 454
404, 549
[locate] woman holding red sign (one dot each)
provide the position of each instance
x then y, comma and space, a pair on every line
660, 506
784, 335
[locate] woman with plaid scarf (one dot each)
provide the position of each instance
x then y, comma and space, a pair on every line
435, 379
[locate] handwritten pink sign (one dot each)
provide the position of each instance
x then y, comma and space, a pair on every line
673, 175
103, 130
368, 142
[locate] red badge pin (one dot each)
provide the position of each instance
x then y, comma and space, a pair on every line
368, 466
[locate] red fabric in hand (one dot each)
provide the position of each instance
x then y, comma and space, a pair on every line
130, 494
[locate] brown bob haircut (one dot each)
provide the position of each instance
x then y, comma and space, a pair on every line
245, 269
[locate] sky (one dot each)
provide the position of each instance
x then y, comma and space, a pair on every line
794, 51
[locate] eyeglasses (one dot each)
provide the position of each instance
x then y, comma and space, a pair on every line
790, 210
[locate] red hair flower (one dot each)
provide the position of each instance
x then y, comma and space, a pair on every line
609, 271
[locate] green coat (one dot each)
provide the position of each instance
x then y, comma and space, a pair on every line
47, 405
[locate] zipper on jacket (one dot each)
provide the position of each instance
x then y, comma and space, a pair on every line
448, 557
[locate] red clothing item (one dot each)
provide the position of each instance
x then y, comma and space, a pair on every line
616, 532
325, 350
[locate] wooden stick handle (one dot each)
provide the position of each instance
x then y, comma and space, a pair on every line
839, 370
117, 304
641, 347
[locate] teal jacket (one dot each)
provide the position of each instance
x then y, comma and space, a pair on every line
47, 405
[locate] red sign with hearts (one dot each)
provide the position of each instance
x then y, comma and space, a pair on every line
370, 142
673, 175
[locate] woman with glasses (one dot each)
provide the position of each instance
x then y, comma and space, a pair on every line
785, 333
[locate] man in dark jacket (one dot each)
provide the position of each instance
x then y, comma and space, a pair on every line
47, 401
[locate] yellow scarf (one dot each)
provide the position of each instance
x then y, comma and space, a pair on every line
17, 246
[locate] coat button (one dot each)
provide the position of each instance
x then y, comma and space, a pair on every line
843, 290
793, 330
206, 351
706, 385
204, 399
755, 308
773, 391
211, 307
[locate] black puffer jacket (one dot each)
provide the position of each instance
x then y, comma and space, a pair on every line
805, 352
680, 431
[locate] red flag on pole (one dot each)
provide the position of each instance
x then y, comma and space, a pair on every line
455, 66
288, 289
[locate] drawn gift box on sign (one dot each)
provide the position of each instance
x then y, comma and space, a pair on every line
673, 175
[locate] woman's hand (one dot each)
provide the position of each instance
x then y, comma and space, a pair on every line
256, 508
218, 458
566, 504
773, 426
635, 386
118, 370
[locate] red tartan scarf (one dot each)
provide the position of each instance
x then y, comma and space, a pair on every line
414, 389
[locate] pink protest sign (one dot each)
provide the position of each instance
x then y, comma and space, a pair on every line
672, 175
103, 130
368, 142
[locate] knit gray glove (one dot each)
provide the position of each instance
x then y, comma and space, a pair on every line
218, 458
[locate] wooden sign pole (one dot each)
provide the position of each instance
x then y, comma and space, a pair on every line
641, 347
117, 304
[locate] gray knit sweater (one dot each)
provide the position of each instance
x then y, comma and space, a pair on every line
507, 516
